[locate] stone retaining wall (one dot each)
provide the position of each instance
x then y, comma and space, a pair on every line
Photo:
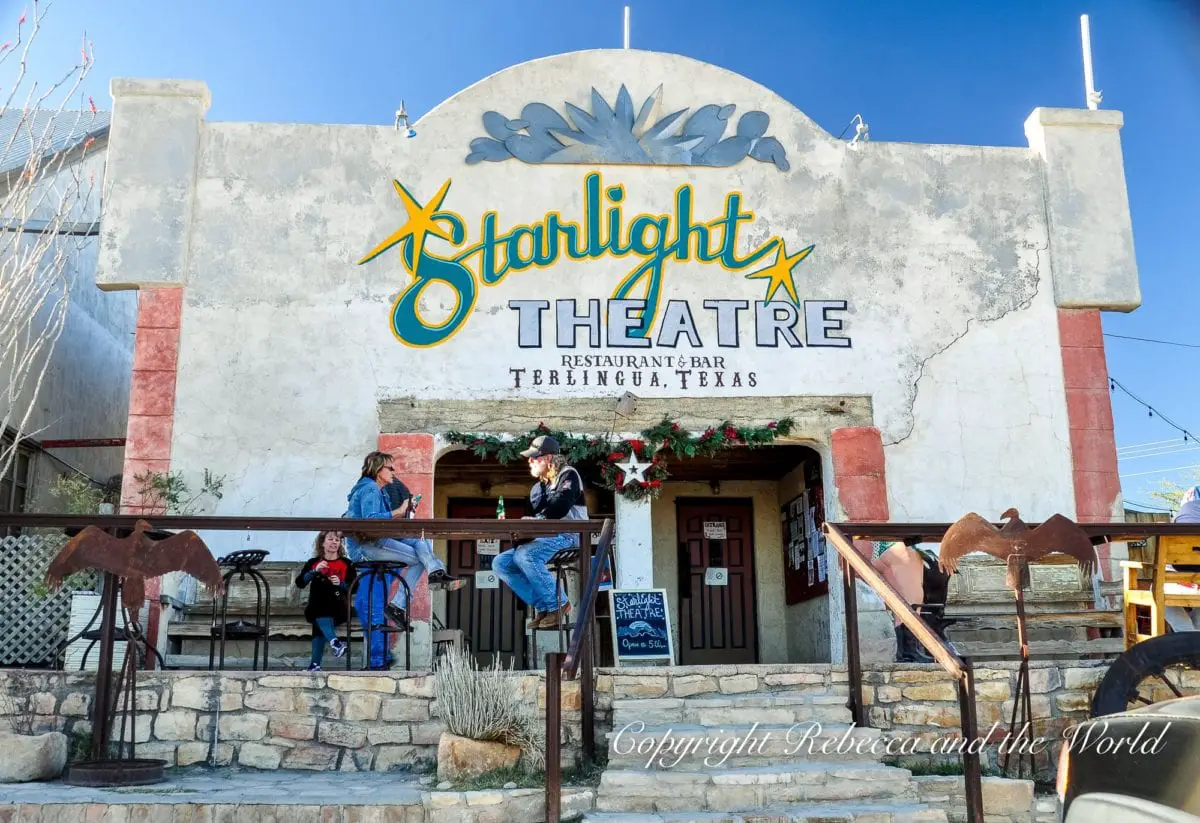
1004, 801
379, 721
922, 701
354, 721
911, 702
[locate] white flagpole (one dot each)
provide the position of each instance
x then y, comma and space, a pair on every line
1085, 30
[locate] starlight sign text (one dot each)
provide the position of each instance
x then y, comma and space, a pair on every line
602, 231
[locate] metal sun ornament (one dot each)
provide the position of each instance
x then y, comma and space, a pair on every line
621, 134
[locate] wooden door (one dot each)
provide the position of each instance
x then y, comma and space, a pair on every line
718, 624
492, 619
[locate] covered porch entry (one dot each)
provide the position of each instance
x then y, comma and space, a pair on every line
736, 545
782, 617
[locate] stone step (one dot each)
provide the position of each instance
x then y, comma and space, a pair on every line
776, 709
749, 788
683, 746
802, 813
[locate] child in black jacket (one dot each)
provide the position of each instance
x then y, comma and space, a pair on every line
330, 573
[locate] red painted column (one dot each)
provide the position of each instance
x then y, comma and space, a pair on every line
1090, 422
413, 458
860, 476
152, 410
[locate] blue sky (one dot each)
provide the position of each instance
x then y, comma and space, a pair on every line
937, 71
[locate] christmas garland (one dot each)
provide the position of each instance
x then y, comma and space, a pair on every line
613, 458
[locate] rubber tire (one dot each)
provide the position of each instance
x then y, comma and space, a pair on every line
1140, 661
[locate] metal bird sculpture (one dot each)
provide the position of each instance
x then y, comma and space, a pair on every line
1017, 544
134, 558
972, 533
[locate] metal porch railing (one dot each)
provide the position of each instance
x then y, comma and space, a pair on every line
855, 566
578, 660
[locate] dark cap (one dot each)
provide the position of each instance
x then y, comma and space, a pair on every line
541, 446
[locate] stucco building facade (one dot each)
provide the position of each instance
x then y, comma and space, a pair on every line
601, 222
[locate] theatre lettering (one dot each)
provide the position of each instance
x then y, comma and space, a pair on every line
636, 315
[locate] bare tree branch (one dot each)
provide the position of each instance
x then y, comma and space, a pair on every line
46, 194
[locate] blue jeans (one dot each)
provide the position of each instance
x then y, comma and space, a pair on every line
417, 553
321, 637
373, 591
524, 570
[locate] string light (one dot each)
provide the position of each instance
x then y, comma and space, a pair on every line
1114, 384
1148, 506
1152, 340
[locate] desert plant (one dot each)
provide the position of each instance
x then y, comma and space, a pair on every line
77, 493
1169, 493
16, 703
80, 743
486, 704
171, 493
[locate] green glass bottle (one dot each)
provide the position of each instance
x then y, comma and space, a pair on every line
500, 508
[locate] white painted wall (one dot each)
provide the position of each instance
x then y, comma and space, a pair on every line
633, 544
943, 252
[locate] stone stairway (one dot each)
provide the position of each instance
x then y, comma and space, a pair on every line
783, 754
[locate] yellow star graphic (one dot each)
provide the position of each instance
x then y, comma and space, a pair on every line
420, 223
779, 273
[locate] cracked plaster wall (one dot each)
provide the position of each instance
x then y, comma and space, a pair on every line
286, 350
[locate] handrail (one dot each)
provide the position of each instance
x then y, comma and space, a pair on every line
561, 666
897, 604
1102, 532
854, 565
589, 588
554, 661
437, 528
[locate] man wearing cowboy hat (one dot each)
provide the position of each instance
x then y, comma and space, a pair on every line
558, 495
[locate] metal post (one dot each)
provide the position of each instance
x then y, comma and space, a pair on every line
970, 731
857, 710
102, 708
1089, 86
587, 677
553, 736
267, 625
131, 695
224, 617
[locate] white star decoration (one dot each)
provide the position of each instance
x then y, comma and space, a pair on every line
633, 468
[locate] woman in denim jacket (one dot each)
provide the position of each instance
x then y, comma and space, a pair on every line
368, 501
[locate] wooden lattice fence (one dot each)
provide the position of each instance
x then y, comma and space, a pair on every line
33, 621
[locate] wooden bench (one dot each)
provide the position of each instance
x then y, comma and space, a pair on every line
1145, 583
1099, 622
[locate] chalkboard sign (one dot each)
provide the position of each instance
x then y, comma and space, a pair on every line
641, 625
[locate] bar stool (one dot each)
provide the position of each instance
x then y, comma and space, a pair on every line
242, 563
376, 570
562, 562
